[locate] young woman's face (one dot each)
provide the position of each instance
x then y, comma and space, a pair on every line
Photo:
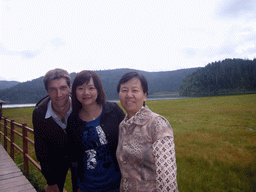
87, 93
131, 96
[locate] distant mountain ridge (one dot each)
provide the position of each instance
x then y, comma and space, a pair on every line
7, 84
32, 91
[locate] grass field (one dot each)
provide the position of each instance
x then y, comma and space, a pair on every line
215, 140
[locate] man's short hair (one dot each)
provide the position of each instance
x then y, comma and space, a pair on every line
56, 74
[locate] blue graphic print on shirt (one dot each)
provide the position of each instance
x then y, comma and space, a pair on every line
99, 171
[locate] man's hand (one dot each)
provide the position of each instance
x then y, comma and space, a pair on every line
52, 188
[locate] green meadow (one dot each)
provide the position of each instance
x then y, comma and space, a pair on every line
215, 140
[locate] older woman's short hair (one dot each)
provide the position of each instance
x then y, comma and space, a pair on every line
129, 75
56, 74
84, 77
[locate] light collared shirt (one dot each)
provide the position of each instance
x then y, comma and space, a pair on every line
50, 113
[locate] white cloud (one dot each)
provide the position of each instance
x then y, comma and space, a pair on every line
237, 8
37, 36
57, 42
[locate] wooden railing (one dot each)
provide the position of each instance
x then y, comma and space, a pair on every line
10, 125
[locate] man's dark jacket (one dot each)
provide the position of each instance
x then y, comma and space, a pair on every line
50, 145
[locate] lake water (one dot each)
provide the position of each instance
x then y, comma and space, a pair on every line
18, 105
34, 104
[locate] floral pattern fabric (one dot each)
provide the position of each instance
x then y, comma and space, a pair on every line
146, 153
166, 168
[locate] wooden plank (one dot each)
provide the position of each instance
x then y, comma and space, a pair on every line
18, 183
5, 161
11, 177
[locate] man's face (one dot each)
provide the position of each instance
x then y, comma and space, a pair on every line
59, 91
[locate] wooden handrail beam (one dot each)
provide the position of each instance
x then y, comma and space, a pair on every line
30, 140
25, 140
34, 162
18, 148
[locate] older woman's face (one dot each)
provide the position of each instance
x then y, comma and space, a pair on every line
131, 96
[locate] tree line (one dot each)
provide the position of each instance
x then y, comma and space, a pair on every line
159, 82
230, 76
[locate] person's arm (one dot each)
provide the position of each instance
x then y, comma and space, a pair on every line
72, 151
43, 150
165, 161
120, 112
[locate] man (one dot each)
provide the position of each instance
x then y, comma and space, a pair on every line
49, 121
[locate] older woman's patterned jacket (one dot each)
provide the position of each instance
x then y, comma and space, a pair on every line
146, 153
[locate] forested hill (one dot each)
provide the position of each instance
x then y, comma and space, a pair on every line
7, 84
33, 91
230, 76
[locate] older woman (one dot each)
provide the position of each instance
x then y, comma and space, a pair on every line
146, 151
93, 133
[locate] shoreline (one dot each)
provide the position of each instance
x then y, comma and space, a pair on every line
34, 104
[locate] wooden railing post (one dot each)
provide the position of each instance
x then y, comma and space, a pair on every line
25, 147
12, 139
5, 133
0, 130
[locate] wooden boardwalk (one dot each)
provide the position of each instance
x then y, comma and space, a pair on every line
11, 177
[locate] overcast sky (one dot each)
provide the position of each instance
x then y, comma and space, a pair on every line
149, 35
